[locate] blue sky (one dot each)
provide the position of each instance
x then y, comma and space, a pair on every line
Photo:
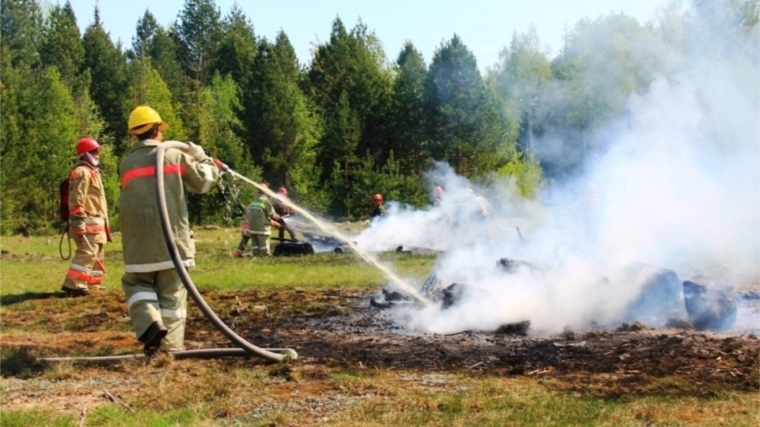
485, 26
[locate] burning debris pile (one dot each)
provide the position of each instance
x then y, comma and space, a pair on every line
660, 226
710, 306
664, 299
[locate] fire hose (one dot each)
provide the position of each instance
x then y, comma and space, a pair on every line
94, 254
245, 348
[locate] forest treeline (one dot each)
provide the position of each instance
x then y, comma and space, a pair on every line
348, 123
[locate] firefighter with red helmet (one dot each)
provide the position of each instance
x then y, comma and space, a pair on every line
379, 209
283, 211
88, 220
437, 195
156, 298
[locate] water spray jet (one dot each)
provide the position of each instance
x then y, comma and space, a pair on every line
323, 226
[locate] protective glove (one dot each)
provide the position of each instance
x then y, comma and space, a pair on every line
274, 224
196, 151
220, 165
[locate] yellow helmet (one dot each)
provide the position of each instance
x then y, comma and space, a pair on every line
142, 118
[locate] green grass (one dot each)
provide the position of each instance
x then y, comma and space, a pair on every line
34, 268
242, 393
394, 399
462, 400
106, 416
35, 417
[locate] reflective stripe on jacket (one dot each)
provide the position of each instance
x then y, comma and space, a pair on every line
142, 238
88, 211
259, 214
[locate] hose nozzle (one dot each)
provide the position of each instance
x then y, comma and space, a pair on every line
222, 166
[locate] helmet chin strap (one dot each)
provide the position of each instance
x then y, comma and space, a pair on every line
89, 158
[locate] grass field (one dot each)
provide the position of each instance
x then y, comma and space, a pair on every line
38, 321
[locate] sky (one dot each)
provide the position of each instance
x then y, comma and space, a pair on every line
484, 26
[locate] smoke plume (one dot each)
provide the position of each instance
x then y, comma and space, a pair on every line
677, 187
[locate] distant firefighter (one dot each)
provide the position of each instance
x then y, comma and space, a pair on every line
258, 221
379, 209
284, 211
437, 195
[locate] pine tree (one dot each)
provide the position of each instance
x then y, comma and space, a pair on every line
107, 66
40, 129
157, 43
62, 46
352, 91
522, 79
145, 33
198, 32
237, 47
217, 123
602, 63
21, 31
147, 88
235, 58
197, 35
463, 119
409, 139
287, 126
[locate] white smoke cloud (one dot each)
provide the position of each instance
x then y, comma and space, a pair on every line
679, 188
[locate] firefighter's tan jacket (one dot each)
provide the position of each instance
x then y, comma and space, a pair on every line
88, 212
259, 216
142, 239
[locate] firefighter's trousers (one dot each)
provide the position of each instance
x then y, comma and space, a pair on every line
260, 244
284, 227
84, 270
157, 296
243, 243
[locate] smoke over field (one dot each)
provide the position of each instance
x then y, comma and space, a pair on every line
675, 184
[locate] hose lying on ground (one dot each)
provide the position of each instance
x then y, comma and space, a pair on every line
245, 347
206, 353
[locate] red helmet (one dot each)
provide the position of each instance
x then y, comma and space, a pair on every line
377, 197
85, 145
282, 190
437, 190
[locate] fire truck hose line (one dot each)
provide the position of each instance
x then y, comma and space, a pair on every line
245, 348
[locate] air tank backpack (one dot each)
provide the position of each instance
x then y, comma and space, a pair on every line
63, 213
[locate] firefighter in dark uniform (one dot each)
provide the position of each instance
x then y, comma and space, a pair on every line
283, 211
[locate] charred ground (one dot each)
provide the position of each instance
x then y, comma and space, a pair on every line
339, 330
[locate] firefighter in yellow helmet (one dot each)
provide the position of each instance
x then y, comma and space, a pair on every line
156, 298
88, 220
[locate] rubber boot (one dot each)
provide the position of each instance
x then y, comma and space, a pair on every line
152, 338
78, 292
